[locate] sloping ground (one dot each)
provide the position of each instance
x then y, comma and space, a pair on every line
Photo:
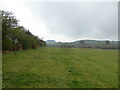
61, 68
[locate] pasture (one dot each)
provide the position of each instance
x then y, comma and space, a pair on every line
50, 67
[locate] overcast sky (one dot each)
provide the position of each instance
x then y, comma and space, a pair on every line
67, 21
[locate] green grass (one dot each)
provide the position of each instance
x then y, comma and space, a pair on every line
50, 67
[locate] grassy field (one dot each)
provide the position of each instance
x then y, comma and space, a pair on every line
61, 68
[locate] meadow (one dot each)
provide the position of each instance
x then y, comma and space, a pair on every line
55, 67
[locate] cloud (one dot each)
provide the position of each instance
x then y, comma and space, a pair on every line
25, 16
68, 21
79, 20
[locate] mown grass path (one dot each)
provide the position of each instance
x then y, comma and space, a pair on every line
61, 68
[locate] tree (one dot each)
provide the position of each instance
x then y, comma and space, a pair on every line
7, 44
16, 37
8, 22
107, 42
82, 44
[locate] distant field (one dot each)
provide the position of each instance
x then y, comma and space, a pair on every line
51, 67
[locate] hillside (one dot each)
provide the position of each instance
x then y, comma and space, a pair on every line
103, 44
51, 42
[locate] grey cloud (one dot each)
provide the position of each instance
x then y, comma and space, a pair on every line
79, 20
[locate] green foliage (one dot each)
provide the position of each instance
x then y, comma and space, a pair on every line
15, 37
7, 44
8, 22
50, 67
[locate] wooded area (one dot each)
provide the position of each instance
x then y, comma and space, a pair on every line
16, 37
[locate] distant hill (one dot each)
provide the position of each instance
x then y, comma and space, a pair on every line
85, 44
50, 41
95, 42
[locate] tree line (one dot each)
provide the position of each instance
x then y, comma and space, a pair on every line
16, 37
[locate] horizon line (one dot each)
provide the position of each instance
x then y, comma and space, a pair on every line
84, 39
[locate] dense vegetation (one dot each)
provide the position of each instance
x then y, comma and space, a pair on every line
16, 37
51, 67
